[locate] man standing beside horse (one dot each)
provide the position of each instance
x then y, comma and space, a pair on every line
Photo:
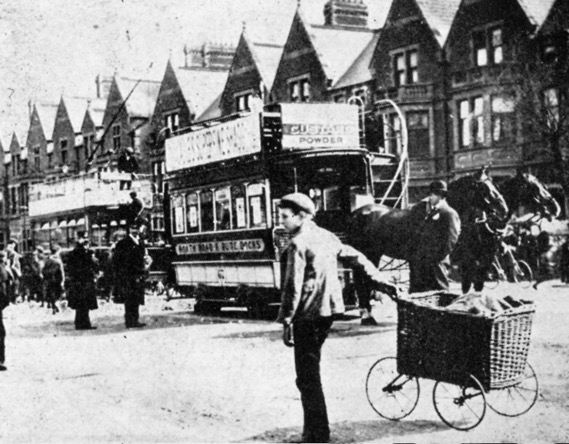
434, 240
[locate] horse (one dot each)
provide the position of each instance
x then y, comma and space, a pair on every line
378, 230
526, 190
481, 234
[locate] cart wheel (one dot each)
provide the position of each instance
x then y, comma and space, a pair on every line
460, 407
523, 274
391, 395
517, 399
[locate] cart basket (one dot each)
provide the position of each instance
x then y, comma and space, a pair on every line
449, 346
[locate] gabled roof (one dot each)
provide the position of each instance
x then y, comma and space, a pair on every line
75, 108
537, 11
96, 110
200, 86
267, 49
439, 15
359, 72
337, 47
142, 101
213, 111
46, 113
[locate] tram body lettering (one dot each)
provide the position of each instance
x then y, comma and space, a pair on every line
231, 246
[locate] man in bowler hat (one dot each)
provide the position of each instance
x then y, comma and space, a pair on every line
435, 238
129, 271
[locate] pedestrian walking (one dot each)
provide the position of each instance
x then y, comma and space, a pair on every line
82, 270
436, 237
54, 278
13, 267
129, 271
4, 302
311, 296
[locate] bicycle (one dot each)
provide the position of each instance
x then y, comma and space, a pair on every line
519, 270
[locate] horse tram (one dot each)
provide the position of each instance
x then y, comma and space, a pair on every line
96, 202
226, 177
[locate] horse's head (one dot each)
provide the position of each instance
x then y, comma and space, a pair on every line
525, 189
478, 191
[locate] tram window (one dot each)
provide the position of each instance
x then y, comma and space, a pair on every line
178, 214
192, 211
332, 198
222, 210
316, 196
206, 201
239, 215
257, 207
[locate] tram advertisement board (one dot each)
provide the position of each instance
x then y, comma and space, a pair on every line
319, 125
226, 140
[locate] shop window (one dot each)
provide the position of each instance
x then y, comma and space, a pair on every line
418, 130
239, 209
206, 210
178, 214
257, 205
222, 209
192, 213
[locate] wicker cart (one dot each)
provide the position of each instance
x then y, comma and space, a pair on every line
475, 361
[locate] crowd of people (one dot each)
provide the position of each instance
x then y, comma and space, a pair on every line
45, 278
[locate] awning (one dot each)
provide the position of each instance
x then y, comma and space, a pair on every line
72, 223
123, 222
81, 222
45, 226
62, 224
94, 226
114, 223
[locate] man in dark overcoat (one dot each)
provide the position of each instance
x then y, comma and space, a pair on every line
82, 268
435, 238
129, 271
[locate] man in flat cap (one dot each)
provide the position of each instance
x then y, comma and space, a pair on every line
435, 238
82, 268
311, 296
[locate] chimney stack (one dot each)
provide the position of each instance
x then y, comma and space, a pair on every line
348, 13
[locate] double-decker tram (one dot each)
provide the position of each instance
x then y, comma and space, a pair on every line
226, 178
